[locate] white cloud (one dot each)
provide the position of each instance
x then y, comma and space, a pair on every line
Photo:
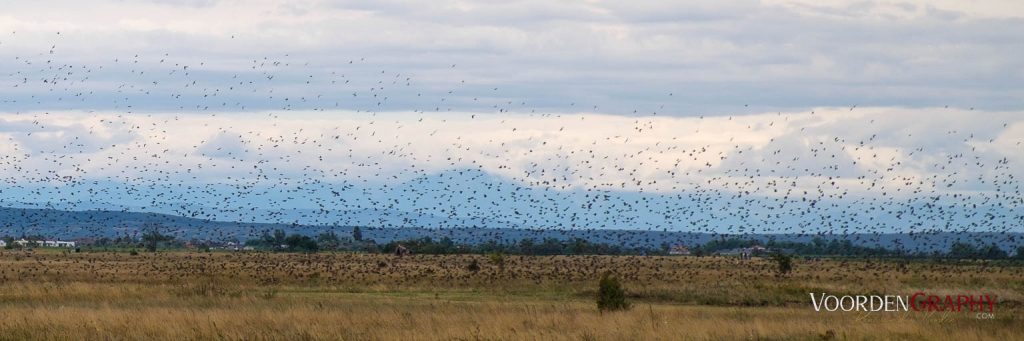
868, 163
559, 96
575, 150
554, 56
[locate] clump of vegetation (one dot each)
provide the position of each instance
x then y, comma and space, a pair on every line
328, 240
152, 238
784, 263
961, 250
473, 266
498, 259
280, 241
357, 234
610, 295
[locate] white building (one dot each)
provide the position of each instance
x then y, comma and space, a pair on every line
45, 243
3, 243
679, 250
58, 243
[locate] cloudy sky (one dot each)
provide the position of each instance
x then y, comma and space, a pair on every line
712, 57
651, 111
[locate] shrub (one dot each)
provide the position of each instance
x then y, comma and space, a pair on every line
610, 295
784, 263
473, 266
499, 260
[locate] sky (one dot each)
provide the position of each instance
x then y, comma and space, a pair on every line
712, 57
662, 114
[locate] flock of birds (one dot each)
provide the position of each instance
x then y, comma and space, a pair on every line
118, 135
719, 277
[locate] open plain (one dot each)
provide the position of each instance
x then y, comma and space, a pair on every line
54, 295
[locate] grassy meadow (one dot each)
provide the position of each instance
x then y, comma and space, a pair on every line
54, 295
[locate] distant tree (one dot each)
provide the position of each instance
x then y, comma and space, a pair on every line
328, 240
833, 247
526, 246
1020, 253
445, 246
152, 238
610, 294
819, 244
491, 247
278, 238
992, 251
962, 251
297, 242
550, 246
357, 234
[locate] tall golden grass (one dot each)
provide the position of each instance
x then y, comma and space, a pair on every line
261, 296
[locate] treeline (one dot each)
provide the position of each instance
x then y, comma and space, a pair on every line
817, 247
279, 241
329, 241
961, 250
836, 247
526, 246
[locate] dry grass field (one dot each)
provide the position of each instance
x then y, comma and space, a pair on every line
262, 296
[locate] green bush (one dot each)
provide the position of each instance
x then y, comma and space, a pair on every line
498, 259
784, 263
610, 295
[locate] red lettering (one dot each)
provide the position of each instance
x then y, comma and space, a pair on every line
990, 301
976, 303
948, 304
914, 300
933, 303
921, 301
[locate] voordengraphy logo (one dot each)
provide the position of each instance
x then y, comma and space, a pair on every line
983, 304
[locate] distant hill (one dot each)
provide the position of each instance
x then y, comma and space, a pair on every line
100, 223
475, 198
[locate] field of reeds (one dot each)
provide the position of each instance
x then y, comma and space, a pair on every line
48, 294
